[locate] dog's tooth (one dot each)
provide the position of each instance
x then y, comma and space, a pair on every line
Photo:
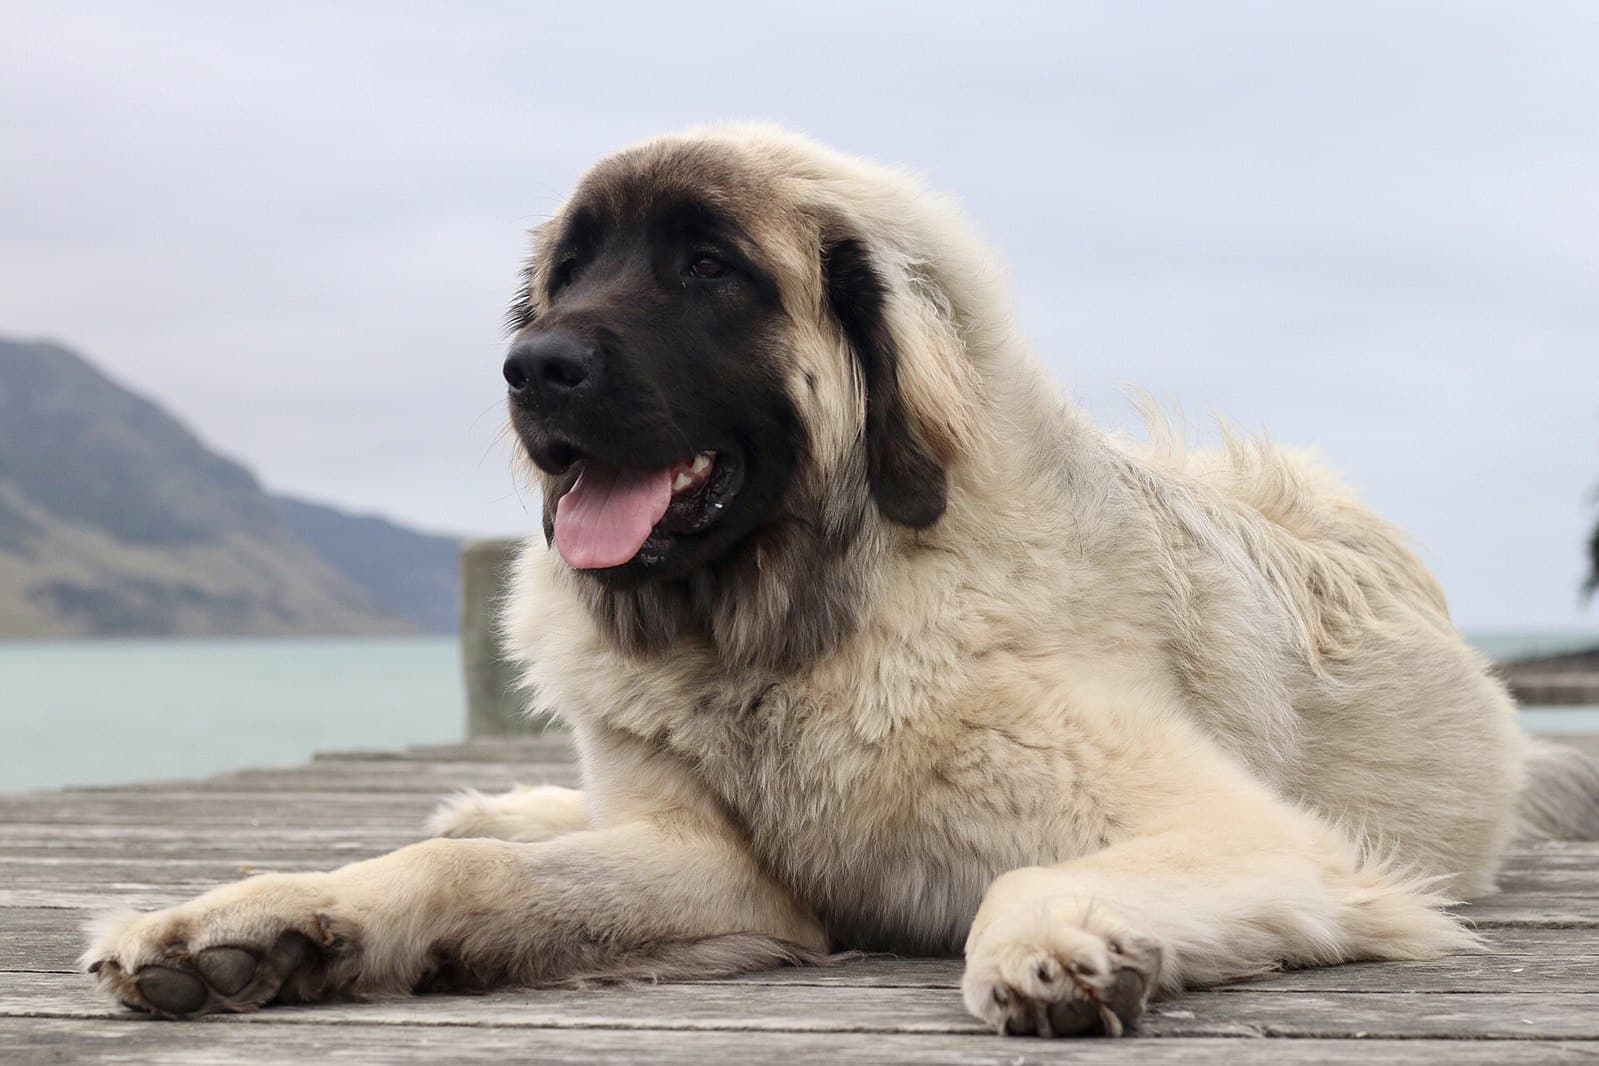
681, 482
702, 462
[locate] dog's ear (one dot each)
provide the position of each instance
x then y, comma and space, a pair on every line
907, 481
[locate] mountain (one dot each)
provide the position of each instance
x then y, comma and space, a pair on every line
115, 520
407, 574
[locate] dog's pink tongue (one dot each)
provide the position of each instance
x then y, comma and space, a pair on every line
604, 519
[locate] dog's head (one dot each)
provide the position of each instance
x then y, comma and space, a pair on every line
728, 352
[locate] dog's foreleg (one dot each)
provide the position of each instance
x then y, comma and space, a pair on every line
662, 895
1223, 882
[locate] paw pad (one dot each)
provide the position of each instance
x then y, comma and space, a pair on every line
226, 969
171, 991
226, 977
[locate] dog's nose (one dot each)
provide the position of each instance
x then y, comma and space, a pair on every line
549, 366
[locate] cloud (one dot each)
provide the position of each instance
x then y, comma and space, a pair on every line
1369, 228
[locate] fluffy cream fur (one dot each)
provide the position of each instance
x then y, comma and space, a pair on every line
1126, 719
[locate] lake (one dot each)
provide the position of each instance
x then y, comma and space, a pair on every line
109, 712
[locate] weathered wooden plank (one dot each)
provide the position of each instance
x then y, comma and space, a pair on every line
1572, 688
159, 838
34, 938
1533, 940
147, 870
125, 889
115, 894
42, 1039
185, 809
1576, 862
48, 870
728, 1005
365, 777
1532, 908
1478, 1016
179, 802
802, 1008
551, 746
1586, 850
1550, 879
1510, 974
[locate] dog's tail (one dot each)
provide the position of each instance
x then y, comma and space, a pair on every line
1560, 800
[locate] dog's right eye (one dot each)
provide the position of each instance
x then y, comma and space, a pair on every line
707, 266
564, 274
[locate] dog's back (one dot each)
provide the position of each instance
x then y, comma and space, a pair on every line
1401, 730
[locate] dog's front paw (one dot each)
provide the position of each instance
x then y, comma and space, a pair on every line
272, 938
1061, 966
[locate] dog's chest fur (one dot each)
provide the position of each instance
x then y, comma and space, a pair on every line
941, 743
887, 819
949, 740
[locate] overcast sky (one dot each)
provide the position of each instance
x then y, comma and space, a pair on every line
1369, 229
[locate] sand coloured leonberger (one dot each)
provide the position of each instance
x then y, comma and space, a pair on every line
868, 640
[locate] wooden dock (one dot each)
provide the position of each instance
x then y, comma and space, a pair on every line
1564, 679
1533, 998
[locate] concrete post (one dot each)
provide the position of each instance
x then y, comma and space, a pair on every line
493, 703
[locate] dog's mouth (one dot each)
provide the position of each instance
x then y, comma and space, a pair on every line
615, 515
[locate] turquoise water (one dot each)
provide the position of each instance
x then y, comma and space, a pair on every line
1526, 643
107, 712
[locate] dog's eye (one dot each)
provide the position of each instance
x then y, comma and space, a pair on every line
707, 266
563, 274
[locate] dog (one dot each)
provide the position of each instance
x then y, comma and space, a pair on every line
869, 641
